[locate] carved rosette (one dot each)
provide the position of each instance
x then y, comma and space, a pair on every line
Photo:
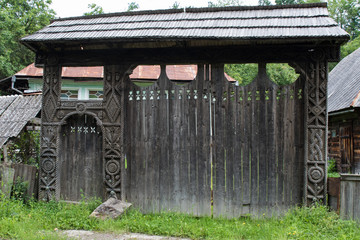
113, 117
48, 163
48, 158
316, 124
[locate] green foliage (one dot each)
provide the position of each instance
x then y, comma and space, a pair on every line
39, 220
243, 73
95, 10
19, 189
347, 14
132, 6
331, 168
281, 73
350, 47
224, 3
17, 19
25, 148
286, 2
264, 2
176, 5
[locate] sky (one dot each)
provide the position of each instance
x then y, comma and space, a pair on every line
71, 8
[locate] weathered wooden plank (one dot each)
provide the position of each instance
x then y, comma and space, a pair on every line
299, 141
163, 131
280, 147
271, 105
203, 141
192, 150
237, 144
229, 115
254, 148
217, 75
246, 146
262, 139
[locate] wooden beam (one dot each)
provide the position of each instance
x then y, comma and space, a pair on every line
233, 54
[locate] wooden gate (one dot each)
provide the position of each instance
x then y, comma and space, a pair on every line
240, 149
81, 161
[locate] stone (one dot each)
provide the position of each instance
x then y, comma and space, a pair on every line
111, 208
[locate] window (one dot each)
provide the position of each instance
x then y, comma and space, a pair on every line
69, 94
96, 94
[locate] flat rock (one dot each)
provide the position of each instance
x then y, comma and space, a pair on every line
111, 208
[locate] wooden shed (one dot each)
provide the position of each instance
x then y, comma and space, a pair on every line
206, 147
344, 114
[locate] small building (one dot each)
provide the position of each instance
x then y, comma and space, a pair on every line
344, 114
16, 113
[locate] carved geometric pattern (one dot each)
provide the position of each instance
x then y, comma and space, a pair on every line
316, 123
112, 156
48, 164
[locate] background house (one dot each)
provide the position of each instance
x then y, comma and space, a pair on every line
344, 114
86, 83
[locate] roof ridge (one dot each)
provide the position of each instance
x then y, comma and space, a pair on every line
196, 10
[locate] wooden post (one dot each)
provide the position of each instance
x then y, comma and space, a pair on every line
315, 129
49, 131
5, 154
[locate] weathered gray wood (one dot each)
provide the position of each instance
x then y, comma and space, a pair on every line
26, 173
350, 196
6, 179
81, 159
249, 133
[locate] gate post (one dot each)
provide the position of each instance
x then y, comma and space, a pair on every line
113, 147
49, 129
315, 128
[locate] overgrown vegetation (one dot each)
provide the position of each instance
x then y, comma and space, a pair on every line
331, 170
39, 220
25, 148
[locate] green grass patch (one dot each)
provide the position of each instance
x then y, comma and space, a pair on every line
39, 220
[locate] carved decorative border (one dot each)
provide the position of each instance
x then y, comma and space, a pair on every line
315, 130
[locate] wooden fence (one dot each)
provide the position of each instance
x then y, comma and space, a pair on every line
209, 142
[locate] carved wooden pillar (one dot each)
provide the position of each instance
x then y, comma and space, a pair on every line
114, 85
315, 129
49, 131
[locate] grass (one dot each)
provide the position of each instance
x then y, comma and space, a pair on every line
39, 220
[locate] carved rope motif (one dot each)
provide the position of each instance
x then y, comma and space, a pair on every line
114, 83
48, 162
315, 165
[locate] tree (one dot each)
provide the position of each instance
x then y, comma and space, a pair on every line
224, 3
264, 2
132, 6
347, 14
19, 18
286, 2
176, 5
95, 10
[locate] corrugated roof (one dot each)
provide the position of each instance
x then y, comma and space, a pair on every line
15, 112
344, 83
142, 72
307, 21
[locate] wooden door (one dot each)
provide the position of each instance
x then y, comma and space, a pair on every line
346, 147
81, 159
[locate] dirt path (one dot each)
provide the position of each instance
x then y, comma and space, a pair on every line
89, 235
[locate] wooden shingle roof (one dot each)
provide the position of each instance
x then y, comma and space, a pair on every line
305, 22
344, 83
15, 112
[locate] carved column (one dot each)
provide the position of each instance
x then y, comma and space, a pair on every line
49, 130
315, 129
114, 85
